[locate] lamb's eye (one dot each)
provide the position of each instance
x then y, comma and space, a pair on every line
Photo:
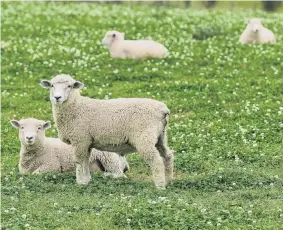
22, 127
39, 128
69, 86
52, 86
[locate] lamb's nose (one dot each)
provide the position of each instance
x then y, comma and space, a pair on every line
57, 98
29, 138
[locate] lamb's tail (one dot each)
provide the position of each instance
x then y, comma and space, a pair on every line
166, 114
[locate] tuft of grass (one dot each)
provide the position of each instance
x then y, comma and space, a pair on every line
225, 127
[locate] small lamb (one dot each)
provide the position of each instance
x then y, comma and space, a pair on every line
256, 33
124, 125
41, 154
135, 49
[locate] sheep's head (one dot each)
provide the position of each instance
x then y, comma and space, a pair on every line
112, 36
62, 88
31, 131
255, 25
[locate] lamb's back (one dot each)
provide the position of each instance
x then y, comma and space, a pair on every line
115, 118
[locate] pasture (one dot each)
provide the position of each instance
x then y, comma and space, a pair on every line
226, 123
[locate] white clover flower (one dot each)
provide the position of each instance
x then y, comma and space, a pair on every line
203, 210
162, 198
4, 44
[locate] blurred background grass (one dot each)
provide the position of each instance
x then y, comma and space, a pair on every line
270, 6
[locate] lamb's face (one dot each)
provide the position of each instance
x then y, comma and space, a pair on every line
255, 25
31, 131
112, 36
62, 88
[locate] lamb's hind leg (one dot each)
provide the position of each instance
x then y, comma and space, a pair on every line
82, 163
146, 147
167, 155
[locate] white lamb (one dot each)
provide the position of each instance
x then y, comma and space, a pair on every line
124, 125
135, 49
256, 33
41, 154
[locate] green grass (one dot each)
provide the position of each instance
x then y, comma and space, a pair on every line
229, 4
226, 117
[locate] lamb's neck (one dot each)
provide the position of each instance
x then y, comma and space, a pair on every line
61, 112
28, 156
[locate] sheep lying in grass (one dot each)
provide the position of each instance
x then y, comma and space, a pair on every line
124, 125
40, 154
135, 49
256, 33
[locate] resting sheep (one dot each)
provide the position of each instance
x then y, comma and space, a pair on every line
40, 154
124, 125
135, 49
256, 33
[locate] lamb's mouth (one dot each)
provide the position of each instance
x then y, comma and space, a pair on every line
58, 102
30, 142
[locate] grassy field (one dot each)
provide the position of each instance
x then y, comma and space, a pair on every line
226, 122
228, 4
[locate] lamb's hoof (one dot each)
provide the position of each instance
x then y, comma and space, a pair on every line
160, 187
119, 175
168, 180
115, 175
84, 181
106, 174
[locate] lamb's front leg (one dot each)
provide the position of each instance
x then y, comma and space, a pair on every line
82, 153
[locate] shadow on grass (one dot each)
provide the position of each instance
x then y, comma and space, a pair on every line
57, 183
228, 180
66, 182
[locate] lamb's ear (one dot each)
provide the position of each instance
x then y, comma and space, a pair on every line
78, 85
15, 123
123, 35
47, 125
45, 84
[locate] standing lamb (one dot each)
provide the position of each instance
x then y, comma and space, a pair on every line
40, 154
124, 125
256, 33
135, 49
